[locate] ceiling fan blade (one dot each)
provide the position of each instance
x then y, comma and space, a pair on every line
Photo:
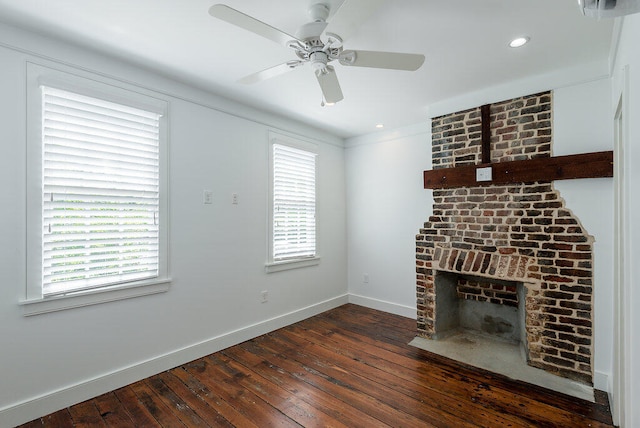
375, 59
270, 72
249, 23
329, 84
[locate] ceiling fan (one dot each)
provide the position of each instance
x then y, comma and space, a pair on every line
315, 46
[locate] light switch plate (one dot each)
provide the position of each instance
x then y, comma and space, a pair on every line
207, 197
484, 174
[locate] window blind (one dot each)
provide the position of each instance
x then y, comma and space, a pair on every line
100, 192
294, 203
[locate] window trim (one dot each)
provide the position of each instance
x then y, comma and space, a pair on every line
294, 263
94, 296
88, 84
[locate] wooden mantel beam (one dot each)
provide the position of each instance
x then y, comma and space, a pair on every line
585, 165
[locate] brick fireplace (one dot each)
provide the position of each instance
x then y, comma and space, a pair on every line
513, 245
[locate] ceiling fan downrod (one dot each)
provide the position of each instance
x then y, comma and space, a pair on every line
319, 12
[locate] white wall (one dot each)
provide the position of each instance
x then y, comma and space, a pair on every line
582, 123
627, 84
386, 204
217, 252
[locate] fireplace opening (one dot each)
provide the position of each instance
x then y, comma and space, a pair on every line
481, 306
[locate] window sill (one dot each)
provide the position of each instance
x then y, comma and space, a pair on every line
291, 264
93, 297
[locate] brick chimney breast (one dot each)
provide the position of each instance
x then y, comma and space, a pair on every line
521, 233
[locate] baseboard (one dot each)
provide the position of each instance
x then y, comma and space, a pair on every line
53, 401
382, 305
601, 381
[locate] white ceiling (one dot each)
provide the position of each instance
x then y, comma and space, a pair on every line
464, 42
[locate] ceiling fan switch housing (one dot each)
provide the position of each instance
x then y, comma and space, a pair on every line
318, 60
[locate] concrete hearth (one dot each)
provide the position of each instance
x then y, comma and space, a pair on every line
480, 351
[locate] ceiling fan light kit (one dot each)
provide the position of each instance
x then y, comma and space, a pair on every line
317, 47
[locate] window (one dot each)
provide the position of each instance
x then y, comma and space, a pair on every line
100, 209
293, 209
100, 192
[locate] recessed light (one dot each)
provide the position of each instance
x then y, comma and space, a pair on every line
519, 41
379, 126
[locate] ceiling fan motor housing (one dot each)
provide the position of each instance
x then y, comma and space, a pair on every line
310, 30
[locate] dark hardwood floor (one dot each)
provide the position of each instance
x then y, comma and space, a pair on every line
349, 367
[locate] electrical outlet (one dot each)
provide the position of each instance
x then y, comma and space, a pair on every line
207, 197
365, 278
264, 296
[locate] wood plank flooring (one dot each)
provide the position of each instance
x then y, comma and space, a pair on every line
348, 367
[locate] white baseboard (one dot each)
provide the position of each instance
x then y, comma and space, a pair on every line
53, 401
601, 381
381, 305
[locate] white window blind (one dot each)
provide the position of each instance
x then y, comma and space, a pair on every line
294, 203
100, 193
